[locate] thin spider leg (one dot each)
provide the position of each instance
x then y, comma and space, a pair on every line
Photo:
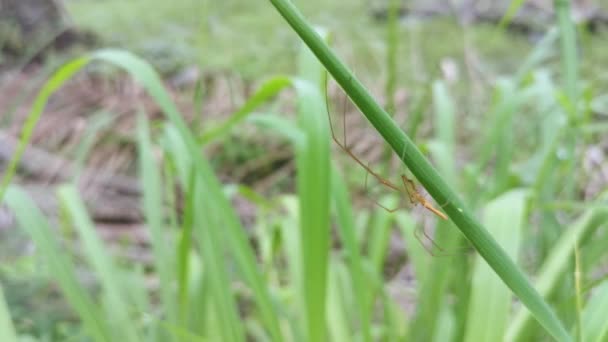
384, 207
348, 151
344, 121
444, 204
374, 200
429, 249
420, 229
420, 199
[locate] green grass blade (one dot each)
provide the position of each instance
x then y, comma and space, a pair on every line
267, 90
99, 121
178, 152
55, 82
149, 79
510, 13
505, 216
153, 209
541, 52
578, 275
280, 125
418, 109
213, 249
101, 262
432, 292
569, 50
379, 235
233, 231
416, 253
337, 309
556, 264
346, 229
344, 215
183, 252
313, 183
31, 219
445, 126
7, 330
426, 174
594, 323
392, 46
499, 142
293, 255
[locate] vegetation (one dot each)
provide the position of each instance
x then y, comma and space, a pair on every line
507, 154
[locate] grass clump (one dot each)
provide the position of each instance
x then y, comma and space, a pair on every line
300, 282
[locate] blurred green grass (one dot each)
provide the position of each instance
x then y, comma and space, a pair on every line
242, 36
214, 285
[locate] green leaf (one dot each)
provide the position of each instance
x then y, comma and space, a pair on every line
7, 330
55, 82
31, 219
267, 90
595, 327
313, 187
102, 264
505, 215
556, 263
164, 260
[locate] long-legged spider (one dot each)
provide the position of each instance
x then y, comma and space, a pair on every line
412, 192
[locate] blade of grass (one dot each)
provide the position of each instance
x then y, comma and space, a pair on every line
280, 125
392, 46
7, 330
426, 174
164, 261
594, 323
510, 13
99, 121
213, 249
502, 140
54, 83
445, 325
344, 216
416, 253
488, 294
569, 49
571, 103
556, 264
433, 289
337, 310
313, 183
418, 109
31, 219
150, 80
102, 264
183, 253
292, 249
346, 229
267, 90
541, 52
578, 275
379, 234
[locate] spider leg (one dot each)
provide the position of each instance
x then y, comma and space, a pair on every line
421, 233
374, 200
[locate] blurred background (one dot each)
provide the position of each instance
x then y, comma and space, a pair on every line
513, 115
